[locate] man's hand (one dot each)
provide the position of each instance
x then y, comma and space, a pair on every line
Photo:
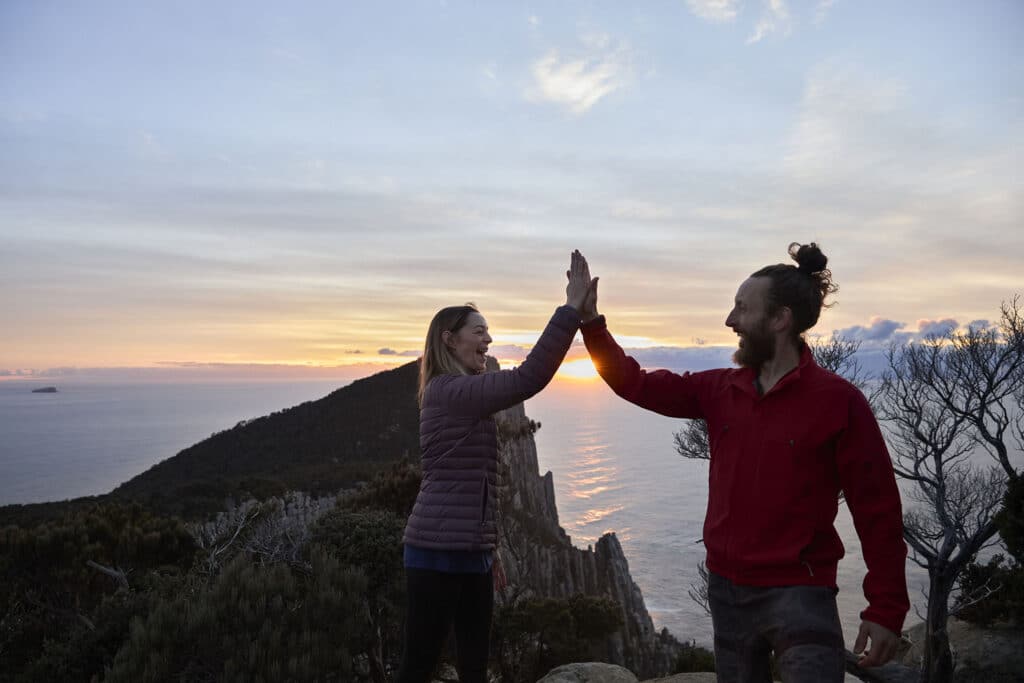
589, 310
581, 285
883, 644
587, 306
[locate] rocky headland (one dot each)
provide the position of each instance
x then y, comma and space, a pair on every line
540, 559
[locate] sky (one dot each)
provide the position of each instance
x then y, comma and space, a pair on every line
295, 188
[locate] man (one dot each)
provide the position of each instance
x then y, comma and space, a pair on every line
786, 437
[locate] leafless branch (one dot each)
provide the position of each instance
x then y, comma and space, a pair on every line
698, 592
117, 574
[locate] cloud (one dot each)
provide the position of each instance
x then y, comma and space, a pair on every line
631, 209
881, 332
718, 11
822, 10
580, 81
774, 19
152, 149
508, 352
391, 352
688, 358
685, 358
981, 324
938, 328
849, 124
198, 371
286, 55
878, 330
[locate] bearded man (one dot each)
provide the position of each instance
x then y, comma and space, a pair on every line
786, 437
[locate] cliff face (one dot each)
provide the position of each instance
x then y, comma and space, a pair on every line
540, 560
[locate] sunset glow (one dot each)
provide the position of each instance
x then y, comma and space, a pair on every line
306, 189
582, 369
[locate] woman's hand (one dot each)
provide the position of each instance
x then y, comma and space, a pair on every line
581, 287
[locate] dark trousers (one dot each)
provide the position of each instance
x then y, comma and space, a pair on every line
800, 624
437, 601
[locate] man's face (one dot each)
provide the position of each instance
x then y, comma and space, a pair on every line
750, 321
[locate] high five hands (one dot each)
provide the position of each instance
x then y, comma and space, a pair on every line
581, 292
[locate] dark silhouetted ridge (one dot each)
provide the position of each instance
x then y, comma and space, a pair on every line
317, 446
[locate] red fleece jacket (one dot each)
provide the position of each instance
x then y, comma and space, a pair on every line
778, 465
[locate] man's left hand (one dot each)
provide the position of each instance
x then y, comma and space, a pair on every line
883, 644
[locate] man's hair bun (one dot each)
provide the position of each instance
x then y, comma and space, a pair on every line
801, 288
808, 257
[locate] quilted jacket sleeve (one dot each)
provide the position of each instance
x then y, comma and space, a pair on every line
486, 394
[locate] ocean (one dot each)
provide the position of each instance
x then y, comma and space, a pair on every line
614, 466
91, 436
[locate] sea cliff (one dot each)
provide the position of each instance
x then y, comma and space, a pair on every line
540, 560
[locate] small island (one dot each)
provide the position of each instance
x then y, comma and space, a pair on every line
45, 390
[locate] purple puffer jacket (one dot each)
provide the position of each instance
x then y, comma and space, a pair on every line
454, 509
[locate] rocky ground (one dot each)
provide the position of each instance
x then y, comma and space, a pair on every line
991, 655
983, 655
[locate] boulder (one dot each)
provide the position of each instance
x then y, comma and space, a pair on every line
589, 672
994, 654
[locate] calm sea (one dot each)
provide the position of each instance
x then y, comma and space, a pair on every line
614, 468
89, 437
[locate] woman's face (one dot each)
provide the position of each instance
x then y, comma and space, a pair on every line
469, 343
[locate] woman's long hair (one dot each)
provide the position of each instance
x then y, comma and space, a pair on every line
437, 359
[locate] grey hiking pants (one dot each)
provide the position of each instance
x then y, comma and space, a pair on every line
800, 624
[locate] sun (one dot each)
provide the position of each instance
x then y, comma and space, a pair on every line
578, 369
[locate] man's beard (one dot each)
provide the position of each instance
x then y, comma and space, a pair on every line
758, 347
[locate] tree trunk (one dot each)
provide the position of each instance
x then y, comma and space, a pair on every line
937, 666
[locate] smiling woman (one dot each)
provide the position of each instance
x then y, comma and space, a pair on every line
449, 541
578, 369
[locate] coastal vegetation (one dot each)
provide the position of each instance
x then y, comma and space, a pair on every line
272, 550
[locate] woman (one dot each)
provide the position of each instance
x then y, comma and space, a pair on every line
450, 536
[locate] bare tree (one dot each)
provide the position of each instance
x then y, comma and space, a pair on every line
941, 401
271, 531
699, 590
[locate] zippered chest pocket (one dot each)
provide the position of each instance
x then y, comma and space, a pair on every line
786, 468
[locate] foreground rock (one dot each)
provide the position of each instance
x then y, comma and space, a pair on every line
992, 655
589, 672
891, 672
592, 672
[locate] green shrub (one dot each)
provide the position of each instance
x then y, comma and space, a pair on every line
531, 637
62, 618
694, 658
253, 623
995, 591
1000, 584
371, 541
